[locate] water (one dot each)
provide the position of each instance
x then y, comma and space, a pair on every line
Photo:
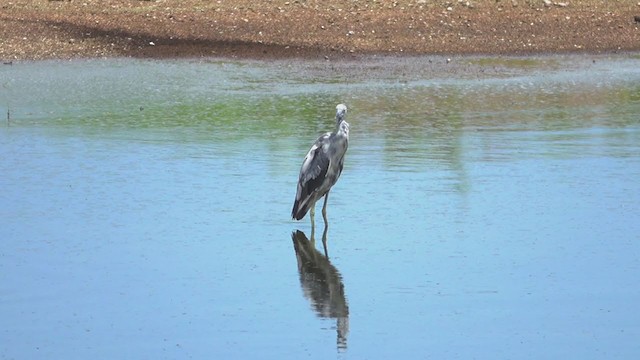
489, 209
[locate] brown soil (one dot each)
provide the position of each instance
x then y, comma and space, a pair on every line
41, 29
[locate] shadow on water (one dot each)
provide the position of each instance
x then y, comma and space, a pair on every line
322, 284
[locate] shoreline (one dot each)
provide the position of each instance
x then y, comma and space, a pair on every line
305, 29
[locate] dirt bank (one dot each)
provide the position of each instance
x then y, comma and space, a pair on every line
42, 29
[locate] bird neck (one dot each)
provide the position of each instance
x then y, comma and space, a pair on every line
343, 128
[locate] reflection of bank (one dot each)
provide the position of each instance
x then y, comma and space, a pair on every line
322, 284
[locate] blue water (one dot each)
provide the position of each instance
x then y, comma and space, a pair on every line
144, 210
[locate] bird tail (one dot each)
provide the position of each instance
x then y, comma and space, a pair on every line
300, 208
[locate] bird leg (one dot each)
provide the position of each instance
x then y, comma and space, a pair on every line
324, 210
313, 223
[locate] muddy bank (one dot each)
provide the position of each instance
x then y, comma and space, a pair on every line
44, 29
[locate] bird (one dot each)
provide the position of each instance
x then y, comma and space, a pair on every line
321, 169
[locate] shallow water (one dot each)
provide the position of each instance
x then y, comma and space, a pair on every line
489, 211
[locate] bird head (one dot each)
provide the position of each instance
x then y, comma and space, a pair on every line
341, 111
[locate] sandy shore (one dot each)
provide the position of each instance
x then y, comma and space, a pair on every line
43, 29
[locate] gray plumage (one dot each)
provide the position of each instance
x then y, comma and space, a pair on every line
321, 168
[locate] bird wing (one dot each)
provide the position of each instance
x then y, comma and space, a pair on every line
312, 175
315, 166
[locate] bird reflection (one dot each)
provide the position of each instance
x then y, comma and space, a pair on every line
322, 284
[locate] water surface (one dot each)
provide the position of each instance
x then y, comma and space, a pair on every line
487, 210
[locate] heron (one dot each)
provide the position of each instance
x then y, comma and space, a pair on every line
321, 169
